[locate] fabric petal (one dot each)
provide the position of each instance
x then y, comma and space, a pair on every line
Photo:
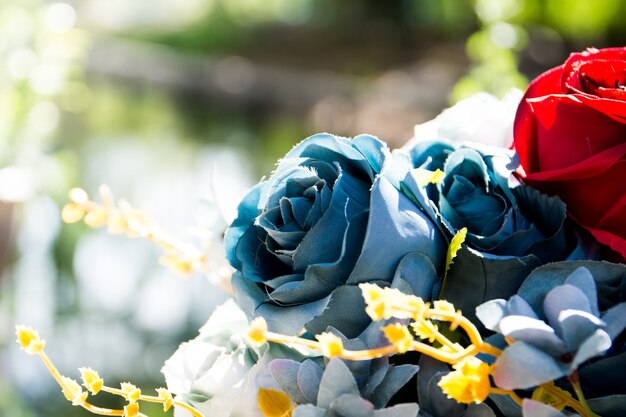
533, 332
523, 366
405, 229
336, 381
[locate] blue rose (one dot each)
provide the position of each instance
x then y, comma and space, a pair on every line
511, 228
325, 221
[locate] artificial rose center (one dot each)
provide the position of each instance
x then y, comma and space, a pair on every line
604, 79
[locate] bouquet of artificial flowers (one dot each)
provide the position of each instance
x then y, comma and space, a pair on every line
477, 271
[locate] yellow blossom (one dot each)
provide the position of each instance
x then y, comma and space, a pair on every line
116, 223
257, 332
469, 382
96, 218
29, 340
274, 403
378, 310
91, 380
166, 397
107, 195
131, 410
73, 392
425, 329
399, 336
376, 301
130, 392
78, 196
371, 292
72, 213
424, 177
330, 344
443, 305
137, 222
178, 263
385, 303
417, 306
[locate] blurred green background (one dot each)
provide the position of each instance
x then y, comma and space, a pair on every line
182, 105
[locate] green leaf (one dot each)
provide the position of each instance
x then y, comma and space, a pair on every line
453, 248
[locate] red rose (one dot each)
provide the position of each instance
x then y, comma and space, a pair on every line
570, 133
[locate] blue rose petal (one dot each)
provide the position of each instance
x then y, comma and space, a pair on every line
405, 230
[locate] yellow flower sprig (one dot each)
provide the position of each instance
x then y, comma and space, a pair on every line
469, 382
385, 303
29, 341
122, 218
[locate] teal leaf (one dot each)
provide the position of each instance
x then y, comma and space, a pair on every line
308, 410
336, 381
537, 409
351, 405
523, 366
285, 373
399, 410
609, 406
476, 278
309, 378
395, 379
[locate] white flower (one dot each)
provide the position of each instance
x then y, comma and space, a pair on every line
216, 372
481, 118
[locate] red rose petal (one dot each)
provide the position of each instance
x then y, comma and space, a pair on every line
594, 166
615, 109
614, 242
590, 199
602, 78
615, 217
576, 59
568, 132
524, 128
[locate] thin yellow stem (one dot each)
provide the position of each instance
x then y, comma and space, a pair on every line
361, 355
463, 322
52, 369
113, 391
512, 394
575, 405
101, 411
575, 381
489, 350
59, 379
436, 353
134, 223
439, 337
151, 399
189, 408
294, 340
